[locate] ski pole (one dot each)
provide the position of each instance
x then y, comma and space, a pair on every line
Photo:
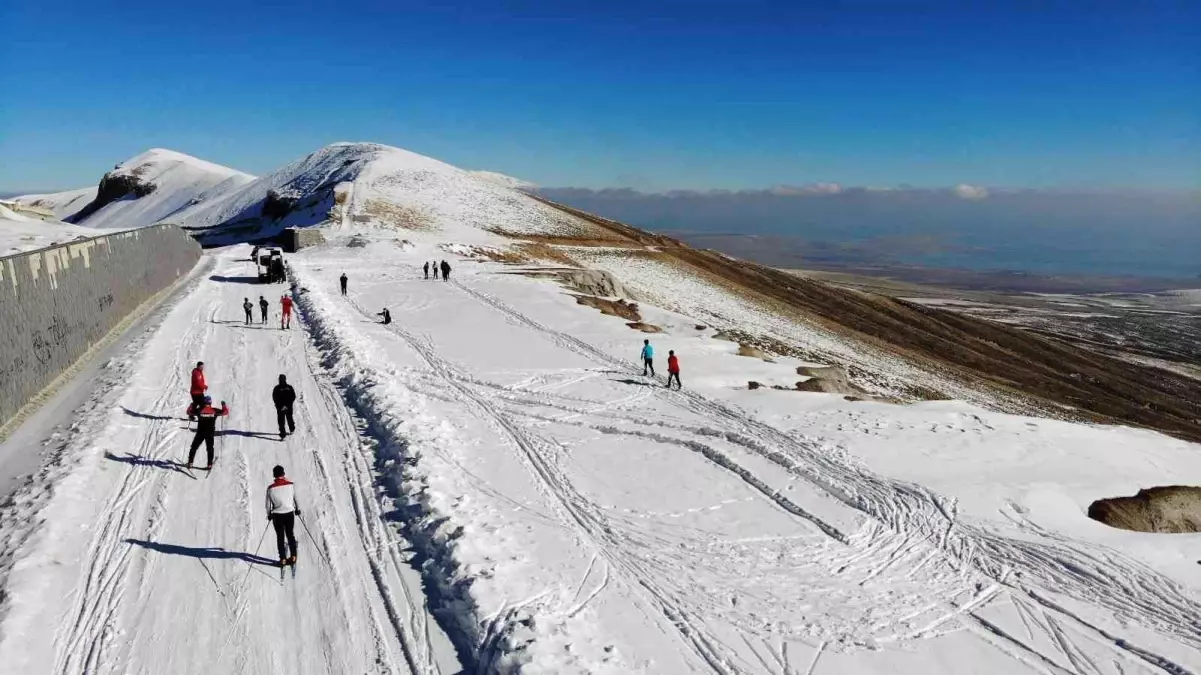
315, 546
250, 565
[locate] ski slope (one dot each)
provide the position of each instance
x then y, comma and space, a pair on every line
493, 470
142, 566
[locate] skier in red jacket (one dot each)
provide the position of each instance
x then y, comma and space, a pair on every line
673, 370
197, 391
285, 321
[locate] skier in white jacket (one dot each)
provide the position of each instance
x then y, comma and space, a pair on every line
282, 511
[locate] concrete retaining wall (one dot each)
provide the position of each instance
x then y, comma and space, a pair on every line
57, 302
294, 238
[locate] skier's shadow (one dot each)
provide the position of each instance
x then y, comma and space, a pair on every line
629, 380
147, 416
248, 434
137, 460
211, 553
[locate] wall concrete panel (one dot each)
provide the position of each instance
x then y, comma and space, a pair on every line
57, 302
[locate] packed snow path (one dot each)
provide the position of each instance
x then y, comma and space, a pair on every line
175, 574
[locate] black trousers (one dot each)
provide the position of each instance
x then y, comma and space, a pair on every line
284, 522
249, 316
264, 314
648, 363
343, 289
283, 415
197, 404
677, 378
207, 438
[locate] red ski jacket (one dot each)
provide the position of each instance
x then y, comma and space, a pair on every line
198, 385
287, 303
673, 364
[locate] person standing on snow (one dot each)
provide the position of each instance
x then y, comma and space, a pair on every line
263, 305
343, 280
249, 310
197, 391
387, 316
445, 271
435, 266
283, 396
426, 267
282, 511
206, 428
648, 358
673, 369
285, 321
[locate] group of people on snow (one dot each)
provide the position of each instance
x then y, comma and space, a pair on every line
648, 364
285, 302
281, 494
444, 267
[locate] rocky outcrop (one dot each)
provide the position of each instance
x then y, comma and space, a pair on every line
115, 185
595, 282
826, 379
1171, 509
279, 202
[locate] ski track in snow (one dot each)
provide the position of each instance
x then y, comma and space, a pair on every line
909, 513
856, 561
156, 521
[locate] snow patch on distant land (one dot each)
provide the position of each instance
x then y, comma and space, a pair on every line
20, 233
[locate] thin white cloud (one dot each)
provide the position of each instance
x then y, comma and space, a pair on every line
965, 191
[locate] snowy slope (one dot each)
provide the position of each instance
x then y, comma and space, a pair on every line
347, 183
502, 180
567, 513
19, 233
63, 204
144, 190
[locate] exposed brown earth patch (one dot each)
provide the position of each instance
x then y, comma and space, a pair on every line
397, 217
621, 308
1053, 377
645, 327
753, 352
1171, 509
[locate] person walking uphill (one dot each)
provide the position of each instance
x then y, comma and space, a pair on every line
282, 511
197, 391
648, 358
673, 370
206, 428
263, 305
342, 280
284, 396
285, 320
445, 271
246, 305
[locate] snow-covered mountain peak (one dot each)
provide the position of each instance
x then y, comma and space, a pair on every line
142, 190
370, 185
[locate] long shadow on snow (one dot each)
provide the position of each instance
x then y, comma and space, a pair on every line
234, 280
148, 416
632, 381
249, 434
213, 553
137, 460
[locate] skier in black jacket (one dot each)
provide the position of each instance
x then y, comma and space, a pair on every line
445, 271
206, 428
246, 305
385, 315
284, 396
263, 305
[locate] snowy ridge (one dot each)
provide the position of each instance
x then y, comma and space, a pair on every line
143, 190
20, 233
502, 180
370, 184
62, 204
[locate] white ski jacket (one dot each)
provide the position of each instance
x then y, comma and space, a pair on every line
281, 497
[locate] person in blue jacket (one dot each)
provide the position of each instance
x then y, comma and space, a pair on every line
648, 358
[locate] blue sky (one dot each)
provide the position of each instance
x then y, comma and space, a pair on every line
678, 95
